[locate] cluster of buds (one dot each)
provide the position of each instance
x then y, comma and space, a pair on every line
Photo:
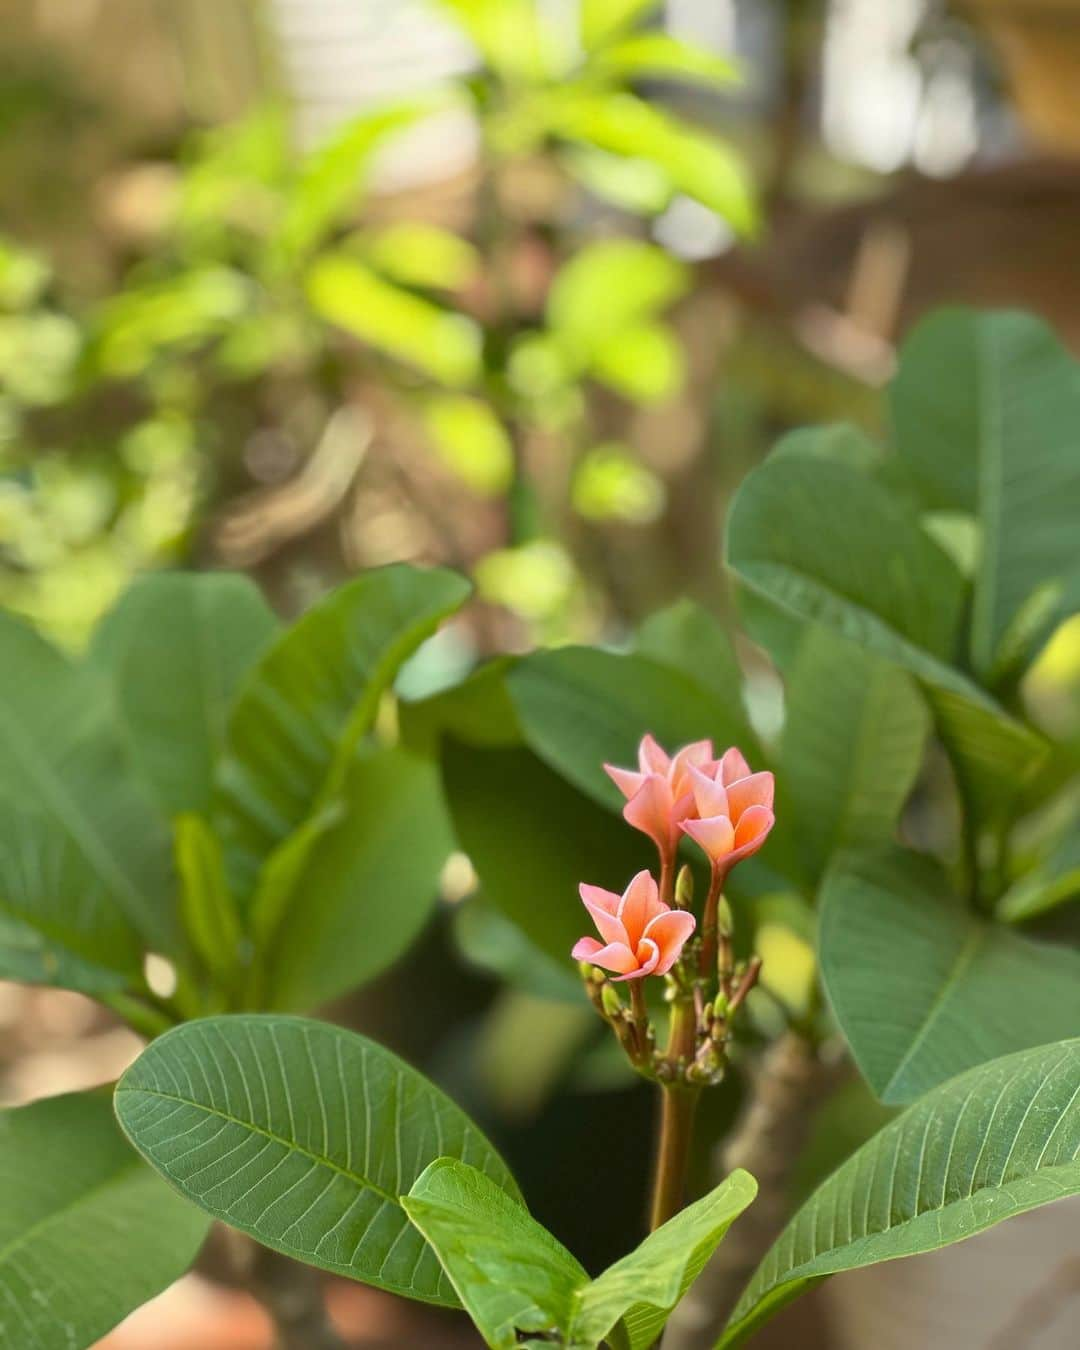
651, 929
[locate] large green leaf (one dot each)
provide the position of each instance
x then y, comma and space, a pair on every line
997, 1141
304, 1136
175, 648
300, 715
854, 733
515, 1278
87, 1231
997, 437
532, 838
688, 637
369, 886
1052, 881
924, 988
580, 707
826, 543
84, 844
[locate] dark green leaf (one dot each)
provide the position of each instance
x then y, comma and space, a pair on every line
301, 714
1052, 881
209, 913
995, 1142
175, 648
921, 986
303, 1135
87, 1232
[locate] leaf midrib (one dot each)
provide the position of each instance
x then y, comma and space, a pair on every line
290, 1145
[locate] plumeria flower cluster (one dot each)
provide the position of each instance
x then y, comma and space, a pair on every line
727, 810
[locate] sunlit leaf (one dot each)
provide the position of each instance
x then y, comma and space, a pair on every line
661, 56
995, 1142
471, 441
87, 1232
303, 1135
645, 363
610, 483
602, 20
416, 253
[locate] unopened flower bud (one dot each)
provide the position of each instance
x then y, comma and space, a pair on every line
684, 887
724, 919
610, 1001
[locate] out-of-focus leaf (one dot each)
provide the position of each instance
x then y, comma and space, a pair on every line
301, 714
370, 884
175, 647
697, 163
1048, 884
210, 917
93, 844
688, 637
661, 56
644, 363
87, 1232
854, 734
636, 185
917, 980
490, 941
335, 175
470, 440
478, 711
306, 1137
996, 437
602, 20
535, 580
442, 344
513, 36
995, 1142
611, 483
414, 253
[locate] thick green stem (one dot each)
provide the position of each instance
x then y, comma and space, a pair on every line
678, 1104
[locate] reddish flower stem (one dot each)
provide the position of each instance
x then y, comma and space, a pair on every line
678, 1103
709, 937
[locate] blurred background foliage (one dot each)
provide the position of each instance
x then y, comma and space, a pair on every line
524, 287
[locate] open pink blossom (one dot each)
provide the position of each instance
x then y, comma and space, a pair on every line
734, 810
641, 935
659, 793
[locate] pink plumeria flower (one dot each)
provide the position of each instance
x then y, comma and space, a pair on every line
734, 810
659, 793
642, 936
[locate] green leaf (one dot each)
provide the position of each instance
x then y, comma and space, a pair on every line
696, 162
854, 733
660, 56
1051, 882
996, 437
828, 544
642, 1289
370, 885
607, 287
922, 987
87, 1232
995, 1142
514, 1277
93, 842
301, 714
644, 362
416, 253
437, 341
602, 20
488, 940
303, 1135
175, 648
580, 707
513, 36
532, 838
208, 910
471, 441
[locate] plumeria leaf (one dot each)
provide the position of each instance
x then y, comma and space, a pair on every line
996, 439
210, 917
997, 1141
652, 56
894, 936
303, 711
306, 1137
175, 648
514, 1277
87, 1231
1051, 882
855, 730
83, 852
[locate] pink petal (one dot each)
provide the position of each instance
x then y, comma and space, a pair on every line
652, 758
607, 925
646, 959
670, 932
733, 765
752, 831
598, 897
709, 794
757, 790
650, 810
715, 834
615, 956
698, 754
585, 948
626, 780
640, 902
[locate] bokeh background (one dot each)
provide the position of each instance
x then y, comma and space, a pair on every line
299, 287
